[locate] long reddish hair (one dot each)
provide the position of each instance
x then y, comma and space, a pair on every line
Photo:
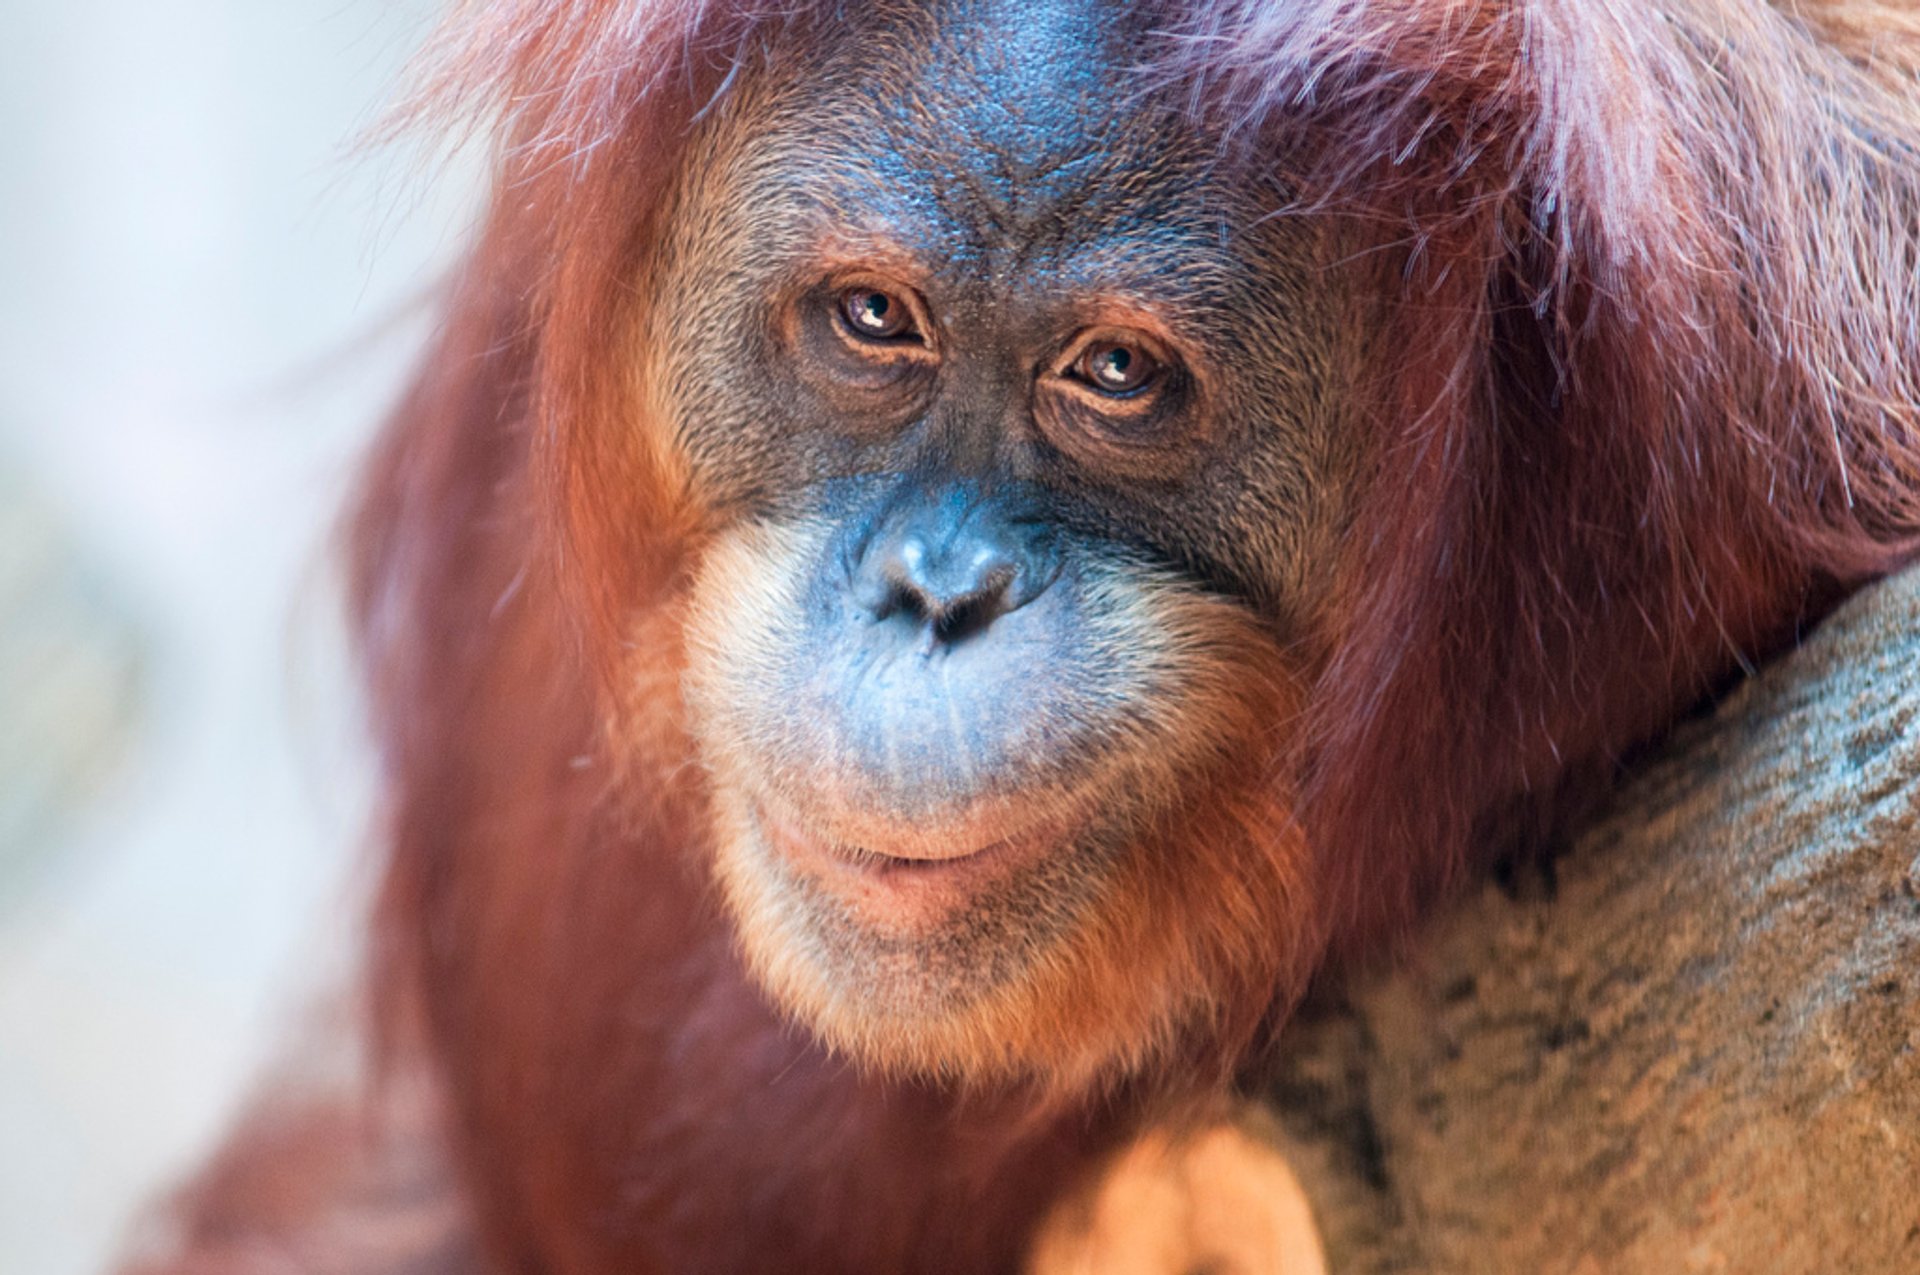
1651, 406
1644, 404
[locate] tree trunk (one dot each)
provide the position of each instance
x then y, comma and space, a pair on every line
1699, 1052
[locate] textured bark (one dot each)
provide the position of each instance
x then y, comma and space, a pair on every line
1701, 1052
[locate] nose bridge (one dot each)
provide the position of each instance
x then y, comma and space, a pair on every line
951, 548
942, 516
978, 424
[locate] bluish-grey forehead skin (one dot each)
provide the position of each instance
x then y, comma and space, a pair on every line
1018, 150
1007, 134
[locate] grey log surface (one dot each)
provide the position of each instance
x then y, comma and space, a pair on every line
1702, 1053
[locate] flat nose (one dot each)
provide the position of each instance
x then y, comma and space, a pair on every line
951, 566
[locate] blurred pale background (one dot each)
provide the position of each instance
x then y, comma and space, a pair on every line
205, 304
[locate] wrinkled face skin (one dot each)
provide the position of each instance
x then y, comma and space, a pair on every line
1010, 411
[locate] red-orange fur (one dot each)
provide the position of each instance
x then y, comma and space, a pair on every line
1651, 273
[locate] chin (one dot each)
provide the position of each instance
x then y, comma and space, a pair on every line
909, 958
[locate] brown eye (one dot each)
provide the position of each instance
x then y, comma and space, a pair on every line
1118, 368
876, 315
1121, 402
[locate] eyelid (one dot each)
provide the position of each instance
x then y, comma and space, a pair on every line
919, 335
1084, 370
909, 325
1155, 348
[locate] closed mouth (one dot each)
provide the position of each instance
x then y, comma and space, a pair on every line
910, 888
793, 836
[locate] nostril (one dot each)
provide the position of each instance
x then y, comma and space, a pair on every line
968, 614
953, 612
905, 599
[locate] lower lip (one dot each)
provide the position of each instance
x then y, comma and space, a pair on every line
897, 882
792, 839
